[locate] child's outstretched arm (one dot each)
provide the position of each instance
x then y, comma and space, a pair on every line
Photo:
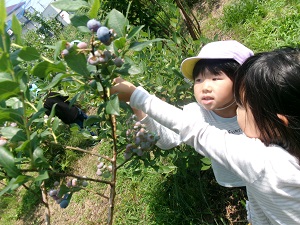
123, 88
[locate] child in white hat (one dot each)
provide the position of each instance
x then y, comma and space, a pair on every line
267, 157
212, 72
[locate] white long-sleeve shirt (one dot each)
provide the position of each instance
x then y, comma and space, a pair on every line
271, 174
169, 139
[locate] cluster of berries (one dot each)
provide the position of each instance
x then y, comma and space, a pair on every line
141, 139
104, 34
102, 168
101, 57
64, 199
70, 45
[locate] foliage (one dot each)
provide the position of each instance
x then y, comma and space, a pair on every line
275, 22
162, 183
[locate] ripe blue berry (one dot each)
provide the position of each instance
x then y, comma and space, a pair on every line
118, 62
53, 192
84, 183
104, 35
93, 25
64, 203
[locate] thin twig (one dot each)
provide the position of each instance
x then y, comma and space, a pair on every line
88, 152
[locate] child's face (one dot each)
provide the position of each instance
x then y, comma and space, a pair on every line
246, 122
213, 91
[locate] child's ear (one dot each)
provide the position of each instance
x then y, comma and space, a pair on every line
283, 119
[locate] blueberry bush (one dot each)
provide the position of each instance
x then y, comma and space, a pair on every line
84, 70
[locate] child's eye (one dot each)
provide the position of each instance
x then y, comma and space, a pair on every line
197, 80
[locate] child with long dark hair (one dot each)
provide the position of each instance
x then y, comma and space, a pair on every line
266, 158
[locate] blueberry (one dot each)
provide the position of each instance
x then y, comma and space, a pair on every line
64, 52
118, 62
104, 35
84, 183
93, 25
64, 203
93, 60
53, 192
82, 45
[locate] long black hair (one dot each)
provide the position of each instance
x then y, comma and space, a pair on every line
269, 84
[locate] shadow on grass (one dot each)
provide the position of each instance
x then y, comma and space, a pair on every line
193, 197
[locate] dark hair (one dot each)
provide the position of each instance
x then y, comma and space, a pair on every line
216, 66
269, 84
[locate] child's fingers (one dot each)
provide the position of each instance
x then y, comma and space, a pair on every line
117, 80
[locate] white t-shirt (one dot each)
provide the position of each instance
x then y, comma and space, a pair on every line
271, 174
169, 139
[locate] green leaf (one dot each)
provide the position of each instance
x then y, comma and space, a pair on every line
9, 89
79, 20
35, 116
112, 106
5, 76
70, 5
7, 161
138, 46
2, 17
117, 21
11, 186
134, 31
120, 43
14, 57
22, 179
13, 115
17, 29
38, 154
91, 119
206, 161
83, 29
63, 189
42, 69
43, 175
14, 133
5, 63
205, 168
5, 41
55, 125
77, 62
29, 54
56, 80
129, 69
59, 46
94, 9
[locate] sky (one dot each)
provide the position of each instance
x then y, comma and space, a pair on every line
38, 5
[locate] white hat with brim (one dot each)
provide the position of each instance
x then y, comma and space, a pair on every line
229, 49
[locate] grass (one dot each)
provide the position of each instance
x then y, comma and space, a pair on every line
184, 196
260, 25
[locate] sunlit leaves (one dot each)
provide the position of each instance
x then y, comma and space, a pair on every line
7, 161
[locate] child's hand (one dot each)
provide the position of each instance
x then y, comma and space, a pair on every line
123, 88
